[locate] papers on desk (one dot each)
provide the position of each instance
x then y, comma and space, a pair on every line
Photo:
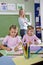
36, 48
20, 60
41, 44
14, 53
33, 49
4, 60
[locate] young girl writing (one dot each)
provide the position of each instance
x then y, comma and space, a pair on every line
11, 41
30, 37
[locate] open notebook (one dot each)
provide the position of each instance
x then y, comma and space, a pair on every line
4, 60
36, 48
14, 53
33, 49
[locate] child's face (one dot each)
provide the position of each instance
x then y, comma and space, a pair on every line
31, 32
13, 32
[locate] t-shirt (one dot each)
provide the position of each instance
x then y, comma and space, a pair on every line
32, 38
11, 42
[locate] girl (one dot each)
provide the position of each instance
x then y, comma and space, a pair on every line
11, 41
23, 22
30, 37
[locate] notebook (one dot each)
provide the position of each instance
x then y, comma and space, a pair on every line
36, 49
4, 60
14, 52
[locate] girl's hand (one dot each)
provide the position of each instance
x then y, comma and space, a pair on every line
16, 49
35, 42
30, 42
8, 49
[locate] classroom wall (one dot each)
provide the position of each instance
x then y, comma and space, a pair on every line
6, 21
37, 1
29, 6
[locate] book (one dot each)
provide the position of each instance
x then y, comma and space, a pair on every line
4, 60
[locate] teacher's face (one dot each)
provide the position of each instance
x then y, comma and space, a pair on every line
22, 12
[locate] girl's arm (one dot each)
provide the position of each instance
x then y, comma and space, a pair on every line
5, 48
19, 44
37, 40
17, 47
5, 40
4, 44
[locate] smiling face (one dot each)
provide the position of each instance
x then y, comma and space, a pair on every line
22, 13
30, 31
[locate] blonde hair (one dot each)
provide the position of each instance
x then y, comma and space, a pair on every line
21, 13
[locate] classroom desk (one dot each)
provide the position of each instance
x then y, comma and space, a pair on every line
11, 53
36, 52
40, 50
34, 58
38, 45
22, 61
4, 60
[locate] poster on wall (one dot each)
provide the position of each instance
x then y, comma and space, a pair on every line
37, 20
7, 7
11, 7
3, 6
20, 6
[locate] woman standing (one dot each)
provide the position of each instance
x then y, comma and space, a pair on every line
23, 22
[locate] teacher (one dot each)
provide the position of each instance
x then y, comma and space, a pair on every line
23, 22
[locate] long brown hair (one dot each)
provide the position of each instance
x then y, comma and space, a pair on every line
14, 27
